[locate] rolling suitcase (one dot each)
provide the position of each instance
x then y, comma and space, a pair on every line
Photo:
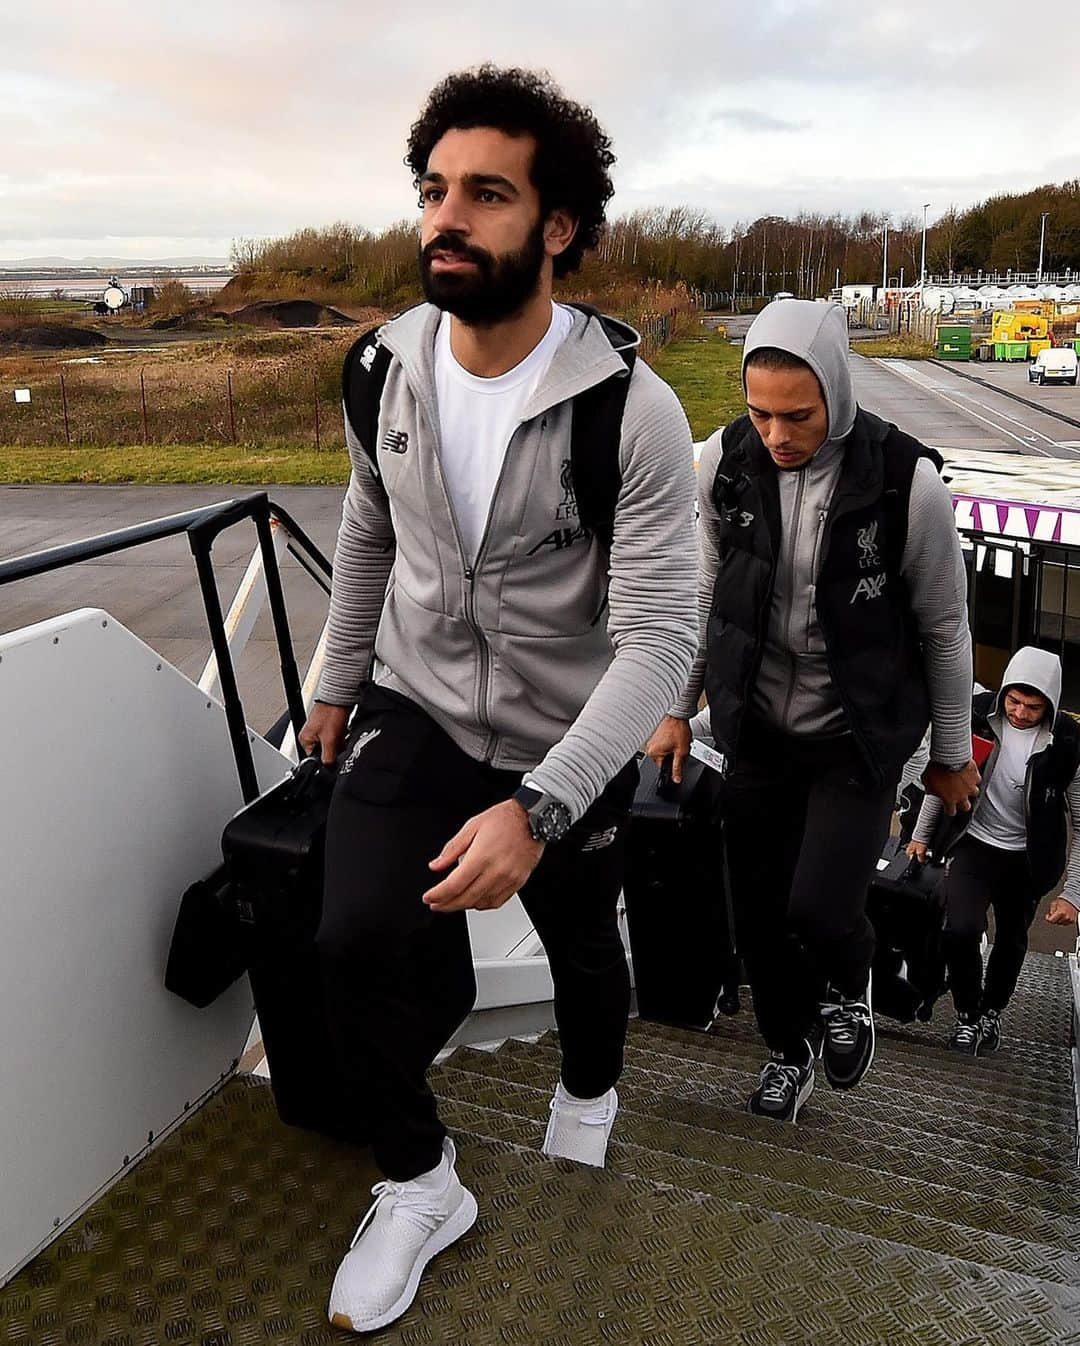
676, 905
273, 851
906, 906
259, 912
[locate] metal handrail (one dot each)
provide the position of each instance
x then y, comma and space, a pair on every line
202, 526
224, 513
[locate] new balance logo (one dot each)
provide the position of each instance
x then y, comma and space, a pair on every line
870, 586
596, 841
395, 441
356, 749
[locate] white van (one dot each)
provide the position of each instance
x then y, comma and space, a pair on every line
1056, 365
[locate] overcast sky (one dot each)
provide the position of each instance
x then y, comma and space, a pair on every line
151, 129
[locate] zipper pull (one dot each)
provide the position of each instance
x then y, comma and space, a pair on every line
470, 574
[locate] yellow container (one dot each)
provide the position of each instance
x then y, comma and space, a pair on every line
1006, 325
1036, 345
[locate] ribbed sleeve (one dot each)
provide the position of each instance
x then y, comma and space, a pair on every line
933, 567
363, 560
708, 525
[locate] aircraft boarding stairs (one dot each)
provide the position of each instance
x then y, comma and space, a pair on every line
936, 1205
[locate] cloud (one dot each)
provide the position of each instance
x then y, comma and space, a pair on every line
747, 119
128, 120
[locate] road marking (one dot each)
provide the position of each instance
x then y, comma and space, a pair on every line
918, 378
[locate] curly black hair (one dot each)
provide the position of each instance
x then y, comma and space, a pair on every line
573, 156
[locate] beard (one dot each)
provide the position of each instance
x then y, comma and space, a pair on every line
498, 288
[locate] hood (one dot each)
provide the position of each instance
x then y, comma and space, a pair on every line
1034, 668
818, 334
590, 353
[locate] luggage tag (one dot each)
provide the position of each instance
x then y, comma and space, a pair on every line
708, 755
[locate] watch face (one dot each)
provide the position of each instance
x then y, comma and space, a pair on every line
553, 822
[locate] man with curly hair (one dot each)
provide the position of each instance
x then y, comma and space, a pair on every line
522, 653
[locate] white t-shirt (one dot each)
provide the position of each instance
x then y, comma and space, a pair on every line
999, 820
477, 418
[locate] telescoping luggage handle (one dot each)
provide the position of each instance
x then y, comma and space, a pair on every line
201, 537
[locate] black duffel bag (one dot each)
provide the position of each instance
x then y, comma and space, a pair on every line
906, 906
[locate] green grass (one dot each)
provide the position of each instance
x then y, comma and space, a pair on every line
704, 372
55, 464
903, 347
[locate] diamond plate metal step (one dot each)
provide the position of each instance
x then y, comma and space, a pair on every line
1035, 1065
933, 1074
923, 1108
488, 1109
933, 1206
936, 1189
886, 1144
229, 1234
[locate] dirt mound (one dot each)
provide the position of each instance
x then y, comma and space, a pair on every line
290, 313
50, 336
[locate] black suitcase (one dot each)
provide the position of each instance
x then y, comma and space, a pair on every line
906, 906
685, 968
274, 850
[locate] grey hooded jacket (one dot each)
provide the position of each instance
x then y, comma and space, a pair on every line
794, 689
1041, 670
535, 658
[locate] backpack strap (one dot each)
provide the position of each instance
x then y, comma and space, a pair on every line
362, 380
595, 433
595, 440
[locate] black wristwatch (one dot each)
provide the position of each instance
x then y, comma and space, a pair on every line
549, 818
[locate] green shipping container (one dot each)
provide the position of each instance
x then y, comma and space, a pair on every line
954, 350
1010, 350
953, 341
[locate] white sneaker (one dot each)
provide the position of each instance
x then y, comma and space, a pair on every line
579, 1128
409, 1223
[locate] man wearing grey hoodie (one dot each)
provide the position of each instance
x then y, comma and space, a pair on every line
1011, 848
523, 650
833, 629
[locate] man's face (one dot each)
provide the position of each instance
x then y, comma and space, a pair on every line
483, 243
1024, 710
788, 411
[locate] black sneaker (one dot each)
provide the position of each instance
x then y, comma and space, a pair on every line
989, 1032
967, 1035
848, 1046
785, 1086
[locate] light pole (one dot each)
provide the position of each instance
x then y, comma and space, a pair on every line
922, 268
885, 259
1042, 240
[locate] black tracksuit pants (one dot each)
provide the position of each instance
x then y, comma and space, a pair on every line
804, 827
399, 978
981, 876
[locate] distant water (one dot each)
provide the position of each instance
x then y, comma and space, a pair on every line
91, 284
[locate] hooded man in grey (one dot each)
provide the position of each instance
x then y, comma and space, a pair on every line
833, 629
507, 645
1011, 849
